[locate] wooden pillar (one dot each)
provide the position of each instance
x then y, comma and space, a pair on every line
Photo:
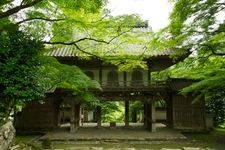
125, 78
134, 115
99, 116
149, 76
169, 110
57, 103
72, 119
63, 115
153, 121
81, 121
148, 116
150, 119
145, 114
126, 113
75, 116
100, 75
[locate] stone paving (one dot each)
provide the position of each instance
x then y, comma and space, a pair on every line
119, 134
101, 148
89, 134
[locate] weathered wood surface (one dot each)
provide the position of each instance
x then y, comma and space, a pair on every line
75, 116
37, 116
188, 115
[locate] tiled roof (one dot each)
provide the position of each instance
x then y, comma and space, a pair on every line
133, 49
69, 51
62, 52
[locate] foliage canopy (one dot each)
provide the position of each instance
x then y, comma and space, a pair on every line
25, 73
82, 25
197, 27
18, 64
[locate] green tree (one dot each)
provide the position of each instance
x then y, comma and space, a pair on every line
216, 106
209, 82
71, 23
18, 64
197, 28
85, 27
53, 24
22, 66
112, 111
26, 74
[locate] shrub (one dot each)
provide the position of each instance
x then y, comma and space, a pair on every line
46, 143
216, 106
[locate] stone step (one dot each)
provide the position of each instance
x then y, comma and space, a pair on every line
102, 148
114, 140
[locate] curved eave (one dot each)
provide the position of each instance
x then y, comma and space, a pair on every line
156, 60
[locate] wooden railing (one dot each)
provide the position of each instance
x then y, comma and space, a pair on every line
132, 84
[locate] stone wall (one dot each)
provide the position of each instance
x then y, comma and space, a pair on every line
7, 135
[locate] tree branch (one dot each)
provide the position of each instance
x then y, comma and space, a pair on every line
23, 2
44, 19
18, 8
74, 43
100, 19
120, 34
87, 38
218, 54
220, 4
207, 32
88, 53
211, 47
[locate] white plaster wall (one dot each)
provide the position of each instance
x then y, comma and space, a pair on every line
104, 75
145, 77
90, 115
120, 76
160, 115
128, 77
